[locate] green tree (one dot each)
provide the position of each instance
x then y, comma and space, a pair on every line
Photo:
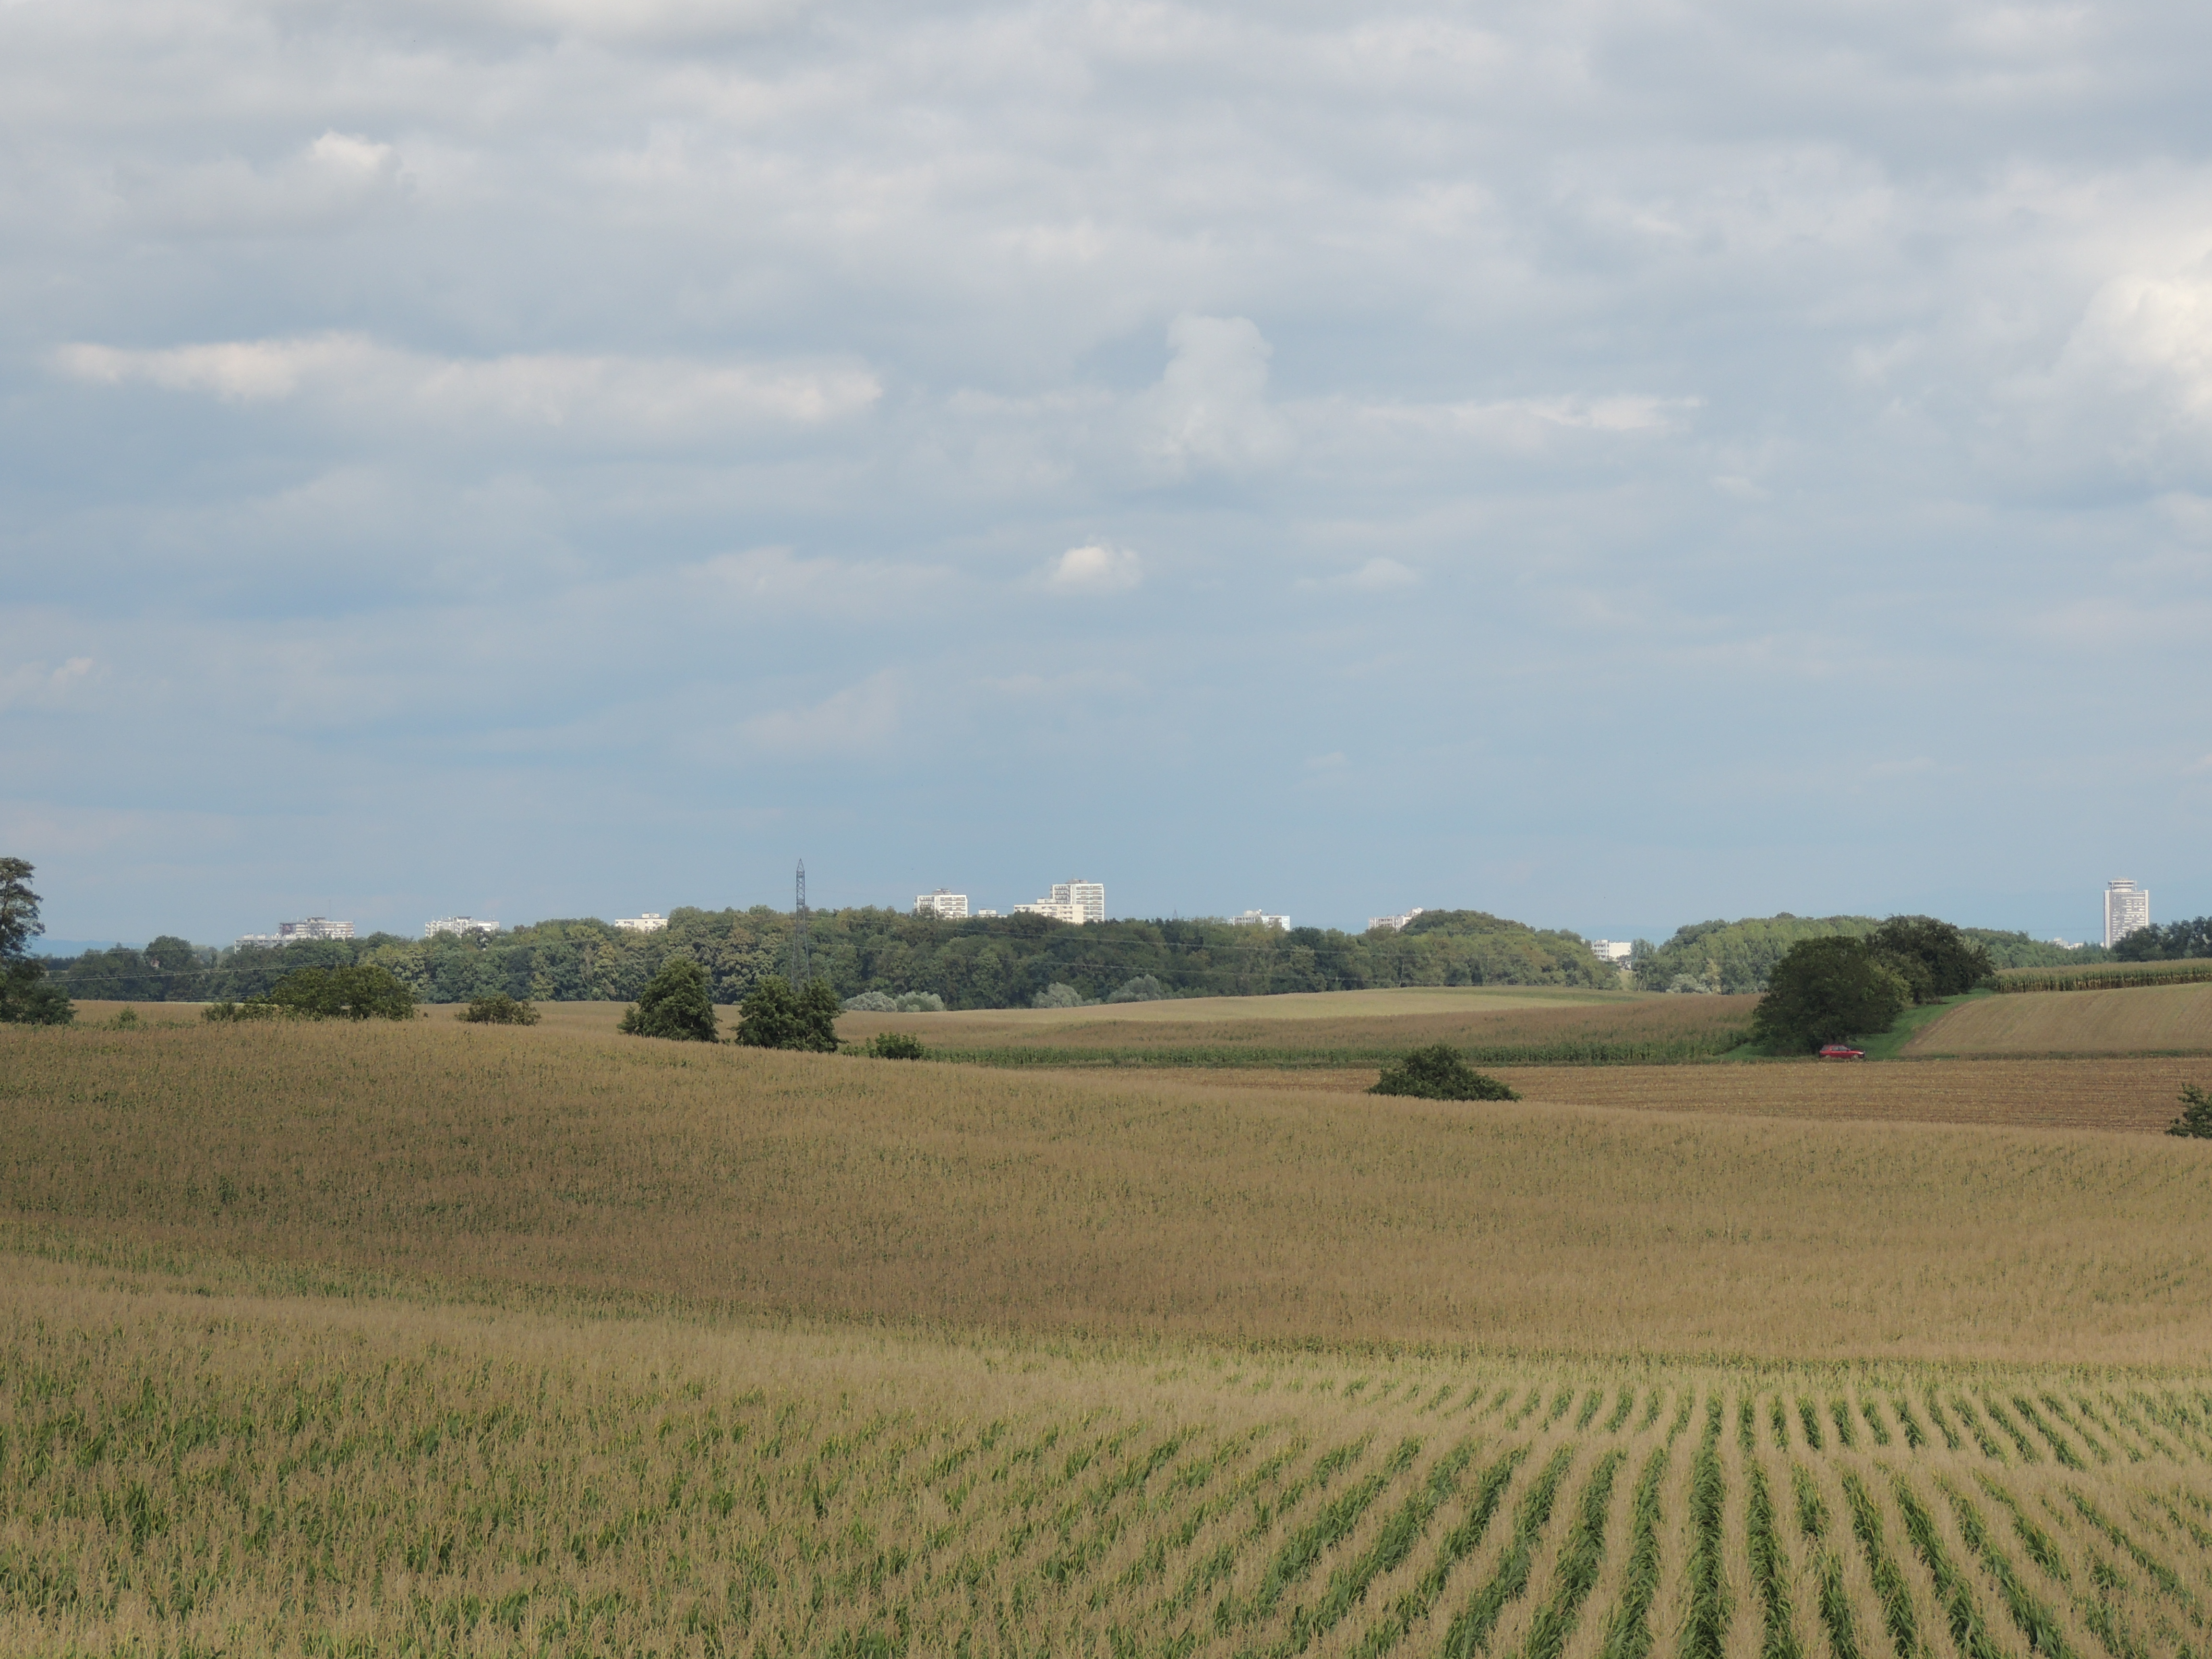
365, 992
1936, 959
2196, 1119
1439, 1073
896, 1045
1824, 990
498, 1009
25, 999
774, 1016
675, 1003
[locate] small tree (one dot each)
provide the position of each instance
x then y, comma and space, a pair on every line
25, 999
1825, 990
1146, 987
498, 1009
894, 1045
676, 1003
1439, 1073
774, 1016
2196, 1119
1056, 996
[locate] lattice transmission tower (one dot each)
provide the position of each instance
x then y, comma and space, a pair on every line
799, 939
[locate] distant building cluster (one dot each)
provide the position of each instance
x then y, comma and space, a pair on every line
458, 925
2127, 910
1612, 951
1395, 923
953, 907
1259, 919
651, 922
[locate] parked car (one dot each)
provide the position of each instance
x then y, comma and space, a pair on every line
1840, 1051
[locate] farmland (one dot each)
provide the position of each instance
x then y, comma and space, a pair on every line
2144, 1020
427, 1338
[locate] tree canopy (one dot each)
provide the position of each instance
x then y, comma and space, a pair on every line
1439, 1071
1737, 958
1936, 959
774, 1016
1827, 990
25, 996
676, 1004
2174, 941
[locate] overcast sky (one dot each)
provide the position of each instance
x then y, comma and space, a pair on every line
1612, 465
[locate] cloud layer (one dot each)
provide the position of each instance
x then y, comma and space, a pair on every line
569, 456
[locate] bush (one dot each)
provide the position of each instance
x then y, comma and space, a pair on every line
894, 1045
1143, 988
2196, 1119
366, 993
774, 1016
498, 1009
1056, 996
871, 1002
1438, 1072
1827, 990
25, 997
920, 1002
676, 1004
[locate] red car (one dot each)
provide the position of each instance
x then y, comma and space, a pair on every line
1839, 1051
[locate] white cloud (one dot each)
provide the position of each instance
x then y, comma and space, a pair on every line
35, 685
859, 719
608, 394
1097, 568
1210, 411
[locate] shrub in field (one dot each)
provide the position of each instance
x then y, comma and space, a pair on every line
2196, 1119
1437, 1073
1825, 990
676, 1003
774, 1016
871, 1002
364, 993
920, 1002
25, 999
894, 1045
1056, 996
498, 1009
1143, 988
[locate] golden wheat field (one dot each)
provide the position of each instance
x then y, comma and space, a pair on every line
431, 1339
1135, 1201
194, 1464
2134, 1020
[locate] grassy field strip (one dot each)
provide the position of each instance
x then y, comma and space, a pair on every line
2170, 1019
1586, 1638
1403, 1603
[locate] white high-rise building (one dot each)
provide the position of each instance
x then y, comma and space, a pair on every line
1395, 923
1260, 919
314, 927
458, 924
953, 907
1070, 900
651, 922
1612, 950
2127, 910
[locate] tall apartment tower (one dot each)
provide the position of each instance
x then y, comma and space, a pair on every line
1085, 900
2127, 910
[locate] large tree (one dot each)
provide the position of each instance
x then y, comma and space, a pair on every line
1936, 959
774, 1016
675, 1003
25, 999
1825, 990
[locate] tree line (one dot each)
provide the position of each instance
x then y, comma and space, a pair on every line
1737, 958
985, 962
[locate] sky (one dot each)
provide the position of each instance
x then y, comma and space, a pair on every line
1610, 463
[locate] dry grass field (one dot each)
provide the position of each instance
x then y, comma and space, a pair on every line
2151, 1019
1493, 1024
1135, 1201
190, 1464
438, 1340
2136, 1095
